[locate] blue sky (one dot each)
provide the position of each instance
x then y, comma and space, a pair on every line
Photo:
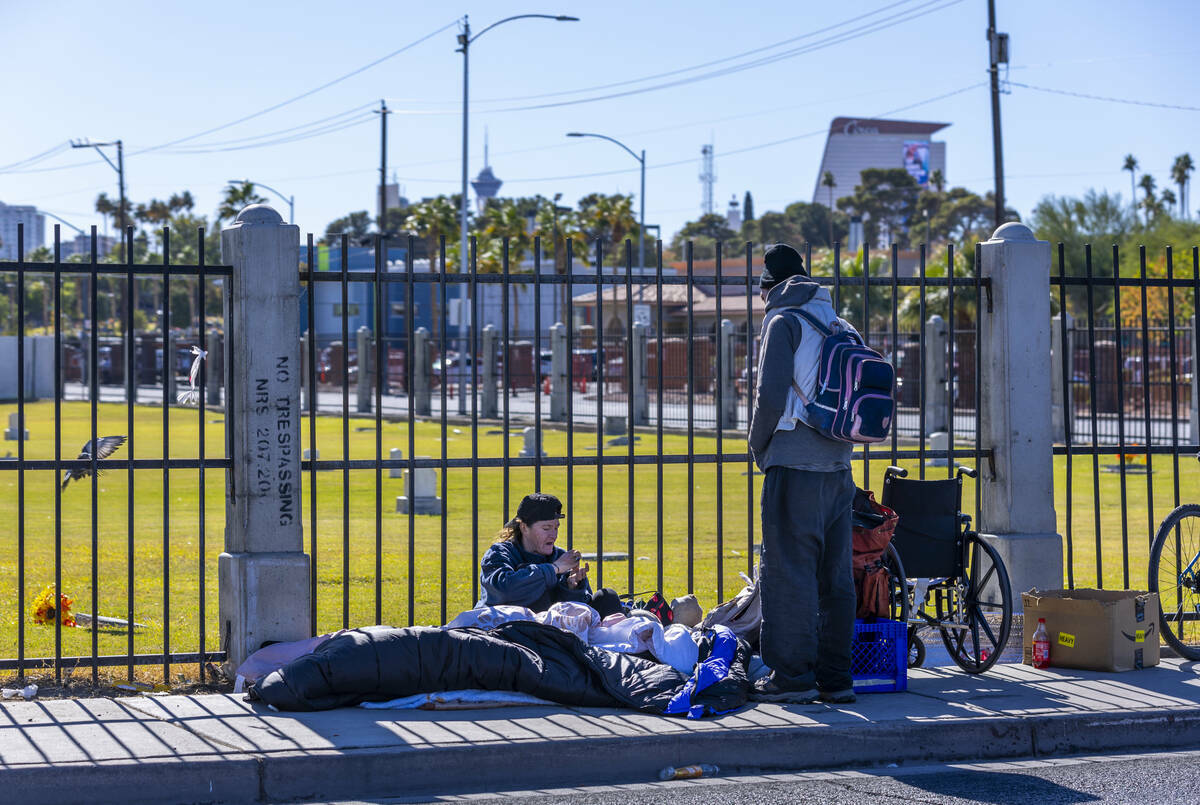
155, 73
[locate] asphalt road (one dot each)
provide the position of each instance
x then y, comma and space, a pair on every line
1150, 778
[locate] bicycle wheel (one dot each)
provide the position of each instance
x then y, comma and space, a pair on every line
1175, 576
898, 595
982, 609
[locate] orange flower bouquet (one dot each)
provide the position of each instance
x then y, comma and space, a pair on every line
44, 610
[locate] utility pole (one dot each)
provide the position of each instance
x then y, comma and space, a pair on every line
383, 112
997, 55
120, 169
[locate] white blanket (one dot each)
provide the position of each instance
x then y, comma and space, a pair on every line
673, 645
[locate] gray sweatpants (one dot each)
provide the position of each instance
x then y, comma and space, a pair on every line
807, 583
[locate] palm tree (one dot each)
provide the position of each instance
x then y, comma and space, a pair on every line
237, 196
1148, 185
1180, 174
608, 219
505, 223
1166, 199
434, 219
828, 181
1131, 165
938, 180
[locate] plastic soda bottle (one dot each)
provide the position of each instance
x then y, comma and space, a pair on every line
688, 772
1041, 646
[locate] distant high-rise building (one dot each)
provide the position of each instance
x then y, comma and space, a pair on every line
35, 229
733, 215
393, 194
486, 184
855, 144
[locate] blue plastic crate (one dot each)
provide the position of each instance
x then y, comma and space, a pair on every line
879, 656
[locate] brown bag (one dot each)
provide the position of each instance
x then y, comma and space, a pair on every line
872, 525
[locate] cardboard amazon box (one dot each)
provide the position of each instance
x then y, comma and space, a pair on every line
1096, 630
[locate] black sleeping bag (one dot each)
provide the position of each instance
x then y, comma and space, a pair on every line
379, 663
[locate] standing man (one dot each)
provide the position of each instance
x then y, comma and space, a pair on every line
804, 567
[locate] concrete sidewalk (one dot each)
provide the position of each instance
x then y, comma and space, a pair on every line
218, 748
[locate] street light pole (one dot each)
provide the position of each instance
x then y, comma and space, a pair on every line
291, 200
464, 41
642, 198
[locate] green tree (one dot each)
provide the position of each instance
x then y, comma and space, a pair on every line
886, 200
1100, 219
357, 225
748, 207
827, 180
1131, 165
1181, 176
704, 233
431, 220
235, 197
609, 219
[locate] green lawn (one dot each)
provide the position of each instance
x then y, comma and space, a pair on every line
712, 539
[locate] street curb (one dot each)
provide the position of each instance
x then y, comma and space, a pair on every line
567, 763
542, 764
210, 779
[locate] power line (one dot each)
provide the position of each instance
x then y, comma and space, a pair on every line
1106, 98
49, 152
302, 95
820, 45
748, 148
759, 51
239, 140
318, 132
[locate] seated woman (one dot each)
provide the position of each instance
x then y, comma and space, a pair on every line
525, 568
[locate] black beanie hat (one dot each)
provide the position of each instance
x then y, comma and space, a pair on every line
537, 507
780, 261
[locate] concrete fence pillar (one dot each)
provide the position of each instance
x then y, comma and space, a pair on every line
263, 573
641, 401
215, 371
934, 376
1061, 415
727, 415
489, 406
558, 372
366, 369
422, 371
1017, 514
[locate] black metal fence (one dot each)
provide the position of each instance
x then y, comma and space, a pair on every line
668, 506
1126, 391
146, 560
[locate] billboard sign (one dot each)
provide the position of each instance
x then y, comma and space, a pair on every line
916, 160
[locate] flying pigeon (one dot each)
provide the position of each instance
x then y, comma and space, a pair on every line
108, 446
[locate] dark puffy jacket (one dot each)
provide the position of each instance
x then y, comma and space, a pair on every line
512, 575
381, 663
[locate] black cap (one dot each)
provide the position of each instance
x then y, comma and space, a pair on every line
539, 506
780, 261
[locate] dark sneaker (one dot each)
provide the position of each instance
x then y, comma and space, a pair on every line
838, 696
766, 690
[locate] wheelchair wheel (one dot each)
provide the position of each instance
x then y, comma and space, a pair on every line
1175, 576
976, 615
916, 650
898, 596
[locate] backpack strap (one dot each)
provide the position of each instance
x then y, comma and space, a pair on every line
820, 327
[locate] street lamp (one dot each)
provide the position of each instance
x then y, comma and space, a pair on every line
464, 43
641, 198
289, 199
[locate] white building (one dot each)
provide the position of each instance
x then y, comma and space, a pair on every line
855, 144
35, 229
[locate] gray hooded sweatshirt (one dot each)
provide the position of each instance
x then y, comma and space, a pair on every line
801, 448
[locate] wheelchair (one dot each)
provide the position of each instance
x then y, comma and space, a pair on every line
952, 580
